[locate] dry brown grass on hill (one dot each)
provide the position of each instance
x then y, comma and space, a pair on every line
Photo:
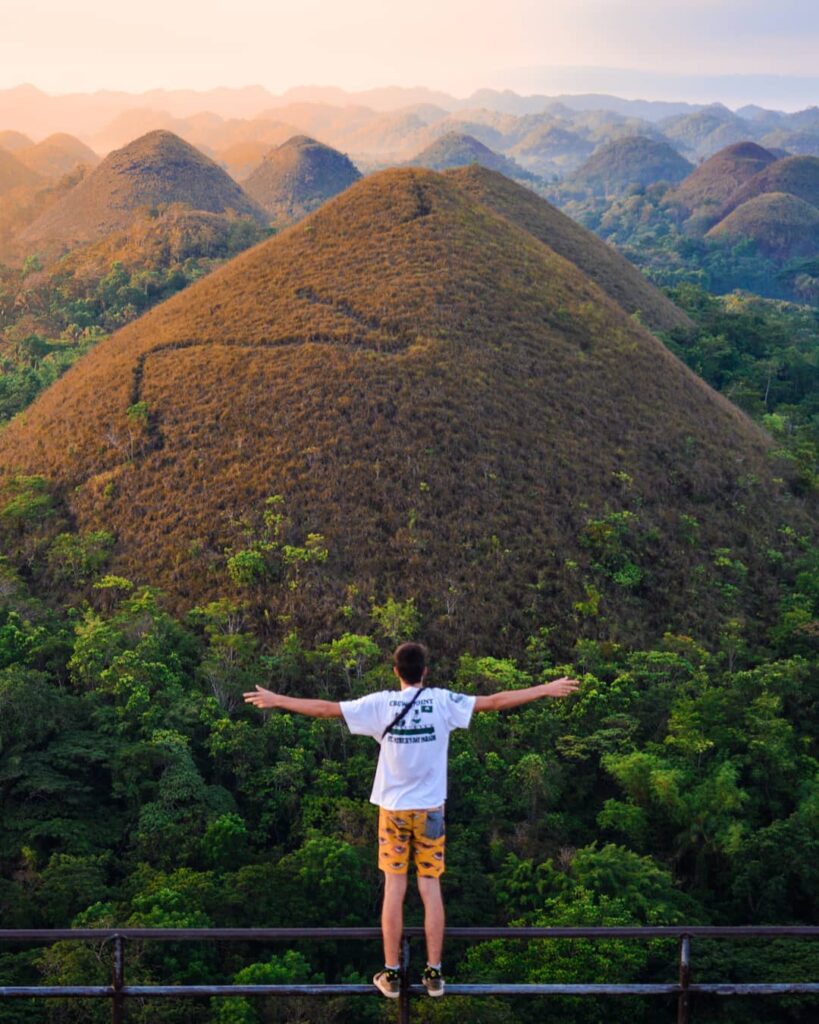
705, 195
14, 173
157, 169
58, 155
604, 265
21, 207
782, 226
444, 398
796, 175
297, 177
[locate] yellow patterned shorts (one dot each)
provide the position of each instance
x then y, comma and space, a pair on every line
423, 832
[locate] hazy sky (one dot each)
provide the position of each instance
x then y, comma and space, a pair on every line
458, 45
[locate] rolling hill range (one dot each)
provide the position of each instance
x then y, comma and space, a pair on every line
623, 163
462, 414
154, 170
605, 266
297, 177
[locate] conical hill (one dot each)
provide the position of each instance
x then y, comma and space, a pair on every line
57, 155
157, 169
297, 177
621, 164
461, 413
704, 197
782, 226
604, 265
455, 149
795, 175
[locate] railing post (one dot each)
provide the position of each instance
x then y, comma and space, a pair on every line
404, 996
118, 980
684, 998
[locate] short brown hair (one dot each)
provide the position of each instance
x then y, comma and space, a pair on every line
410, 660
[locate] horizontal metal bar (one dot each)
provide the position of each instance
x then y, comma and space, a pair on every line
331, 934
773, 989
190, 991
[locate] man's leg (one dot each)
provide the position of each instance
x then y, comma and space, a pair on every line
392, 916
430, 890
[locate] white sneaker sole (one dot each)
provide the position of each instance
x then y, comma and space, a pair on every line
385, 992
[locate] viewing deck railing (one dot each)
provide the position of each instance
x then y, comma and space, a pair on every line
684, 989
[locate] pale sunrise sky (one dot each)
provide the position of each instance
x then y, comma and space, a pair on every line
456, 45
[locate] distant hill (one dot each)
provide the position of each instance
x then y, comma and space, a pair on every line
705, 132
551, 148
12, 142
796, 175
21, 206
57, 155
635, 160
705, 195
604, 265
457, 150
297, 177
782, 226
14, 173
460, 413
157, 169
801, 143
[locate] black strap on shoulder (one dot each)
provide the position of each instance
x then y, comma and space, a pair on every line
402, 714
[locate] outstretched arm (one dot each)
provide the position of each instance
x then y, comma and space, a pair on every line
262, 698
514, 698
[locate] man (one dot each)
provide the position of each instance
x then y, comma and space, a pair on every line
412, 728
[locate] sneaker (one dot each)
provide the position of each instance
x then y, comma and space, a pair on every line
388, 982
433, 981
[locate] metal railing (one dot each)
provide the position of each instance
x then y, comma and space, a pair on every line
119, 992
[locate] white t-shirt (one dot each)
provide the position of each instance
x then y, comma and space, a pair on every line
411, 772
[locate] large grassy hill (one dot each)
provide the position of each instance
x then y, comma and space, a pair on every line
459, 413
704, 197
796, 175
297, 177
623, 163
781, 226
157, 169
604, 265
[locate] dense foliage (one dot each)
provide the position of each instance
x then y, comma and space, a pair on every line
138, 789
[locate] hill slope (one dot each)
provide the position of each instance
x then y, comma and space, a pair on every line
154, 170
298, 176
635, 160
12, 142
706, 193
796, 175
604, 265
455, 408
782, 226
57, 155
14, 173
